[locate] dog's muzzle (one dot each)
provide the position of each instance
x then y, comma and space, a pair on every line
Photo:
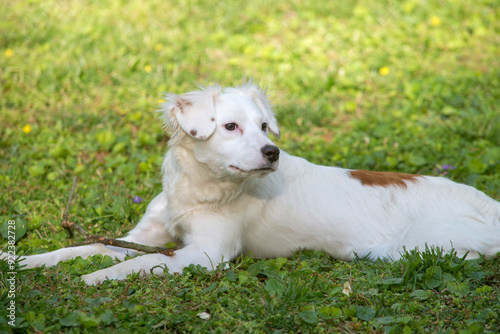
270, 152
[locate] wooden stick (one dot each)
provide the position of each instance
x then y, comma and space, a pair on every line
92, 238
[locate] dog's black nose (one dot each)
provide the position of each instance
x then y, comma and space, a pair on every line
271, 152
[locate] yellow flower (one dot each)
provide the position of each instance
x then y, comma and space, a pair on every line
384, 70
148, 68
161, 101
158, 47
9, 53
27, 128
435, 21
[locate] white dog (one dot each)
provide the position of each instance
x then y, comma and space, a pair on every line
224, 195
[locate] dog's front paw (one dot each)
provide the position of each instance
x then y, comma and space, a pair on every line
100, 276
93, 279
25, 262
34, 261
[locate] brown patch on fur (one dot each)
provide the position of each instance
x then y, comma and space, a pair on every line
193, 133
383, 179
185, 103
212, 119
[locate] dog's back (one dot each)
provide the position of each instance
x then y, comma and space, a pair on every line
347, 213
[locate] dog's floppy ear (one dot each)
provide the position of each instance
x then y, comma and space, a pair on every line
260, 97
193, 112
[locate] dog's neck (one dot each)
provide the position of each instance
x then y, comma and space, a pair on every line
188, 181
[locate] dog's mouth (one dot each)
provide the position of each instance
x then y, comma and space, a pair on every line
253, 171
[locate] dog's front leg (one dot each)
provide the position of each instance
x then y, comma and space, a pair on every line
211, 241
150, 231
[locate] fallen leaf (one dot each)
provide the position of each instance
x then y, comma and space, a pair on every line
203, 315
347, 288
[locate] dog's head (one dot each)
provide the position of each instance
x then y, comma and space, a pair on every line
228, 128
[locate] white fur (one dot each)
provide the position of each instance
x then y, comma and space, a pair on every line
221, 198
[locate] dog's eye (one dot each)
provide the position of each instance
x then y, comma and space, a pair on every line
231, 126
264, 126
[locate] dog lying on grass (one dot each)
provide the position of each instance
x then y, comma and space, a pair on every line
228, 190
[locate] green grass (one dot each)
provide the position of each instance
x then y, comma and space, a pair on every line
87, 77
